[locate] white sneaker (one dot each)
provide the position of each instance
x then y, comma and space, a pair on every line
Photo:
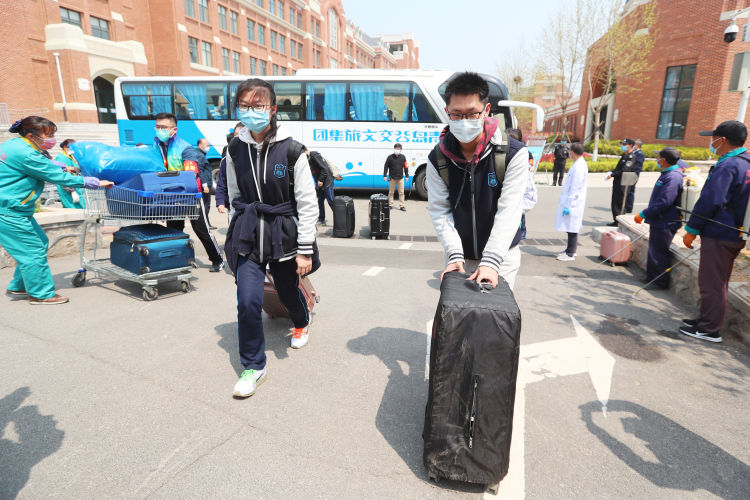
248, 382
563, 253
300, 336
566, 258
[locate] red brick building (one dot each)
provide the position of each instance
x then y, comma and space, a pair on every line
696, 79
62, 57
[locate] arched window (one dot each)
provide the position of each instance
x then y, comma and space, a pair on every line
333, 29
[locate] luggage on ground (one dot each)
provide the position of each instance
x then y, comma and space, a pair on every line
473, 368
380, 216
152, 195
343, 217
615, 247
148, 248
272, 304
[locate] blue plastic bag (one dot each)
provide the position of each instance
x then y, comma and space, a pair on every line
116, 164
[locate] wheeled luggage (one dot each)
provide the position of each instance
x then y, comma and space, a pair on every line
472, 388
272, 304
380, 216
156, 194
343, 217
615, 248
149, 248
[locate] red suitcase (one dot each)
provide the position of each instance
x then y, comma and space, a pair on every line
272, 304
615, 248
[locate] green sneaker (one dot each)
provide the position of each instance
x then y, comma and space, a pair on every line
248, 382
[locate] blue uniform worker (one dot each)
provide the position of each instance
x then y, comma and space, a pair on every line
717, 216
24, 168
662, 216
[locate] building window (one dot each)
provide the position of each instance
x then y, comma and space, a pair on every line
263, 67
282, 44
283, 71
203, 10
70, 17
317, 58
272, 6
273, 40
299, 20
260, 3
233, 24
675, 102
334, 63
250, 30
280, 10
740, 69
190, 8
225, 58
317, 29
292, 15
222, 17
236, 62
193, 49
275, 70
253, 66
99, 28
299, 51
261, 34
206, 50
292, 48
333, 29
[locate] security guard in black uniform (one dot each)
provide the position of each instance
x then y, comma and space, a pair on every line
627, 163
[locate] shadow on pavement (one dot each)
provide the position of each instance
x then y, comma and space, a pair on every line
276, 331
26, 438
684, 460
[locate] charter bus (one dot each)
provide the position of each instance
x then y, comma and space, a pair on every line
352, 117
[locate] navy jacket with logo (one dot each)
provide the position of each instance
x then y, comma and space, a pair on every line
662, 206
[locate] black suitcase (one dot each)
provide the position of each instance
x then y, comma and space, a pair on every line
343, 217
472, 388
380, 216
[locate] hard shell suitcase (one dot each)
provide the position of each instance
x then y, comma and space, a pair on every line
343, 217
155, 194
148, 248
380, 216
272, 304
472, 387
615, 247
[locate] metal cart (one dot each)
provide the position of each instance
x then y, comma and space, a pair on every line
119, 206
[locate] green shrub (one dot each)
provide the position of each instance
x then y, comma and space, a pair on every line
613, 148
603, 165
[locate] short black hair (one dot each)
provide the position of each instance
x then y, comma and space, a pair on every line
672, 155
397, 145
577, 148
66, 142
199, 141
166, 116
515, 133
35, 125
467, 83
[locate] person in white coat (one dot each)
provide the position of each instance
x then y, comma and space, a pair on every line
569, 215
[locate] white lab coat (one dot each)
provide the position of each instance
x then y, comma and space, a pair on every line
573, 196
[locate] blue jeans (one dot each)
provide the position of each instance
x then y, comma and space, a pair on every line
250, 278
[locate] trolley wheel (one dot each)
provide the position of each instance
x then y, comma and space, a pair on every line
185, 284
493, 488
433, 477
193, 264
150, 293
79, 279
373, 237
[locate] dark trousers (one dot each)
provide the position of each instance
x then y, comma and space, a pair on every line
250, 278
572, 244
630, 200
714, 271
203, 234
618, 194
659, 258
207, 204
324, 194
558, 169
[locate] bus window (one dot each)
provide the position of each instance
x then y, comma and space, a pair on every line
288, 100
325, 101
379, 102
421, 110
201, 101
145, 100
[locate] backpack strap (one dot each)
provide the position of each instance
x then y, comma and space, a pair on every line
441, 163
292, 155
501, 158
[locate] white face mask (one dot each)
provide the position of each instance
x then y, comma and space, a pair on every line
396, 151
466, 130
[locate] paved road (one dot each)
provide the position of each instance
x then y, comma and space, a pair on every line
113, 396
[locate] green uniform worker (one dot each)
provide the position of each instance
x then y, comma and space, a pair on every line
69, 197
24, 168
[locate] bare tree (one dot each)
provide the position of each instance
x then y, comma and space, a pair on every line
618, 60
517, 70
570, 31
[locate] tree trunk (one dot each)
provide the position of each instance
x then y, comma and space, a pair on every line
597, 125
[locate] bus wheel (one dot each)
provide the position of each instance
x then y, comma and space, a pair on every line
420, 183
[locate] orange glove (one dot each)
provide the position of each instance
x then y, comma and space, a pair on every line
688, 240
638, 219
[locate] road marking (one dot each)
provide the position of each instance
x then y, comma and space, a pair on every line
569, 356
405, 246
372, 271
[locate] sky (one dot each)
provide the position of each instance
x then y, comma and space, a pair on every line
458, 35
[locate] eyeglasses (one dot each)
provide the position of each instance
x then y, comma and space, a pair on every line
258, 108
465, 116
163, 127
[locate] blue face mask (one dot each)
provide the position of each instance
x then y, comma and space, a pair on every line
162, 135
256, 121
624, 148
712, 148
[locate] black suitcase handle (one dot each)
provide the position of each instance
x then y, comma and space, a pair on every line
168, 173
